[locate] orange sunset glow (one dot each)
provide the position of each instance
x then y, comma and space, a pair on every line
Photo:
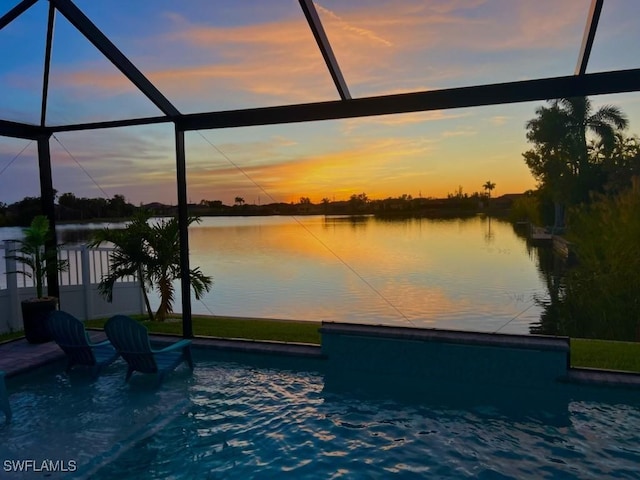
253, 55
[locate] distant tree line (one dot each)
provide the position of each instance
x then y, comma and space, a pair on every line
458, 203
68, 208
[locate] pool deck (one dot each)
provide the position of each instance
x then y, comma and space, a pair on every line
18, 357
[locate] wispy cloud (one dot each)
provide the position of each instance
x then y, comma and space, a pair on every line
353, 125
274, 59
336, 170
448, 43
366, 34
459, 133
381, 49
499, 120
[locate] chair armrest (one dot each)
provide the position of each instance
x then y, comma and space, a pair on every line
174, 346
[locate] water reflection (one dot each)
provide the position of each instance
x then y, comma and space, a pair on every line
552, 268
78, 234
469, 274
424, 272
489, 235
353, 220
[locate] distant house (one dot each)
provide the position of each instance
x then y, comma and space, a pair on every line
505, 201
158, 208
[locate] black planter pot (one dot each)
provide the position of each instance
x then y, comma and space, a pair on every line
35, 317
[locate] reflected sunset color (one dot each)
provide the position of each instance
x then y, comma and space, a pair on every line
459, 274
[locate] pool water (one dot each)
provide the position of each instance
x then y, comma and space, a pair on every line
238, 420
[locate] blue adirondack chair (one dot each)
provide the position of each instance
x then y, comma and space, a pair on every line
4, 398
70, 335
131, 340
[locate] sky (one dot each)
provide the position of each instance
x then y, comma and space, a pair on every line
224, 55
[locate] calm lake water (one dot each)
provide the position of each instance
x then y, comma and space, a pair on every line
464, 274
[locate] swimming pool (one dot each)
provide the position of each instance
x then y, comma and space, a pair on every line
253, 420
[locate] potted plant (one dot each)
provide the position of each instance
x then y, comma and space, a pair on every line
32, 254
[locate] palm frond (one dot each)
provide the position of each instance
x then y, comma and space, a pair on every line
611, 115
200, 282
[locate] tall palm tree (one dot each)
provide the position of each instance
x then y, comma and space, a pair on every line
581, 120
488, 186
560, 159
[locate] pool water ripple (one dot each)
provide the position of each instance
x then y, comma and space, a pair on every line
230, 420
269, 424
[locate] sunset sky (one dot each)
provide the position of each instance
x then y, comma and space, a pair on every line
223, 55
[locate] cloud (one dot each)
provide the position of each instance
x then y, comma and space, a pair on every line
271, 169
447, 43
114, 161
198, 64
390, 48
278, 59
366, 34
499, 120
351, 125
479, 25
459, 133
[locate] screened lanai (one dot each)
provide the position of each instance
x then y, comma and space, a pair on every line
78, 68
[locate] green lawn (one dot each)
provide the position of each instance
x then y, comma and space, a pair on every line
584, 353
10, 336
234, 327
605, 354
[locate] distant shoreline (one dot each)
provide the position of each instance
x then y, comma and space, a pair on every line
91, 210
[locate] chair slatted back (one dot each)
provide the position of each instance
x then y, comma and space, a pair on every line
131, 340
69, 333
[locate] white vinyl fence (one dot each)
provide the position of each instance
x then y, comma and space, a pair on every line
78, 287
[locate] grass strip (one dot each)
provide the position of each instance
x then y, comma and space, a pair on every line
5, 337
236, 327
605, 354
602, 354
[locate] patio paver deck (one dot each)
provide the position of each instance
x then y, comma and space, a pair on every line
19, 356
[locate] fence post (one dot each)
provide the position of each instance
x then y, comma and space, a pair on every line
86, 282
15, 313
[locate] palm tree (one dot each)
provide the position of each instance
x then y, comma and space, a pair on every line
580, 120
152, 252
33, 253
488, 186
560, 159
164, 265
128, 258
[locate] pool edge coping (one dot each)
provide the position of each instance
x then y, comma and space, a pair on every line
574, 375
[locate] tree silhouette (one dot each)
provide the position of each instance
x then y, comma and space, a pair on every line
560, 160
358, 202
152, 252
488, 186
